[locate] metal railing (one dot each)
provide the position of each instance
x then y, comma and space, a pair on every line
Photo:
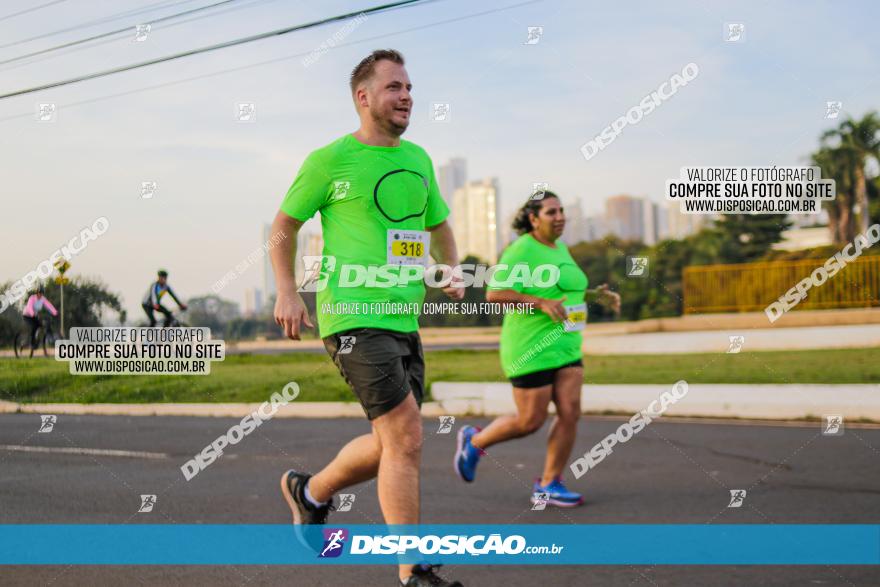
750, 287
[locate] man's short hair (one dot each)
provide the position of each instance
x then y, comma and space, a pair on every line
367, 66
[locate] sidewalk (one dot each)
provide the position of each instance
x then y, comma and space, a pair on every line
775, 402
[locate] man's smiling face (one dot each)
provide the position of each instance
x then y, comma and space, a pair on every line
389, 98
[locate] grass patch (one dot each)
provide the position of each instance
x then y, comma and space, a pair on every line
252, 378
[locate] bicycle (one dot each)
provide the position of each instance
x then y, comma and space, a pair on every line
174, 323
45, 338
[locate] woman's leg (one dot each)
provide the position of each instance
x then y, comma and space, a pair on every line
567, 397
531, 411
34, 323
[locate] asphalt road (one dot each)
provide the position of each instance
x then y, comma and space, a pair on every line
671, 472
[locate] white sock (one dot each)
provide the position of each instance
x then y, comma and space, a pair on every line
312, 500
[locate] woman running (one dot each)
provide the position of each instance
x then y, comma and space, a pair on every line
540, 352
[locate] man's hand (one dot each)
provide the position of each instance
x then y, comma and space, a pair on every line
553, 308
289, 311
155, 306
608, 298
455, 289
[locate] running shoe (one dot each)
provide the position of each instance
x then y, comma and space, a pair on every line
293, 487
306, 517
424, 576
467, 455
557, 494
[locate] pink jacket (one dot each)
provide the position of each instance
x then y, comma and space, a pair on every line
31, 312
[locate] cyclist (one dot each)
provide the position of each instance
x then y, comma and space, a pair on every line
153, 299
35, 304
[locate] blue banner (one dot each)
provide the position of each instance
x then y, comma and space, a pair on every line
590, 544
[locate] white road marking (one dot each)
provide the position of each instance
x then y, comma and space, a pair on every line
103, 452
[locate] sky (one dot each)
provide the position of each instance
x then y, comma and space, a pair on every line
519, 112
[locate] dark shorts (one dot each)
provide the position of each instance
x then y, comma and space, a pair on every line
541, 378
381, 366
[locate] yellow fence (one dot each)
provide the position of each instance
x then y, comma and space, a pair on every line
749, 287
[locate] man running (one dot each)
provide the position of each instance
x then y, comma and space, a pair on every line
380, 206
153, 299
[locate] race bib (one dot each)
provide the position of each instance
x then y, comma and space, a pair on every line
577, 317
408, 247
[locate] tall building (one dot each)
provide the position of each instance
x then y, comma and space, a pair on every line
662, 222
595, 228
451, 177
476, 210
625, 217
575, 226
680, 225
650, 222
253, 302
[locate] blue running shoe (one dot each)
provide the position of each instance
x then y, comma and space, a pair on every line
467, 455
558, 494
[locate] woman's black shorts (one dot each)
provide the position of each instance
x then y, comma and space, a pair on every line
541, 378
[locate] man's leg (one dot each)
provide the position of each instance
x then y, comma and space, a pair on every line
400, 434
531, 408
567, 397
358, 461
167, 313
148, 310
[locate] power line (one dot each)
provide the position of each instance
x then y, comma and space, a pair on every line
116, 32
102, 20
275, 60
233, 43
35, 8
164, 27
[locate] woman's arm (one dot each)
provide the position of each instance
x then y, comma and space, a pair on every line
49, 306
553, 308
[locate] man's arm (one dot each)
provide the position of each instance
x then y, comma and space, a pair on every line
444, 252
289, 306
171, 293
443, 244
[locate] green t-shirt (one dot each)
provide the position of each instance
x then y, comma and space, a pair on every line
372, 201
534, 342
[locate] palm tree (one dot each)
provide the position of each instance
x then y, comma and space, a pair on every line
838, 164
861, 138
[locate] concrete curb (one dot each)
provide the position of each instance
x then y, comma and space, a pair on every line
219, 410
776, 402
770, 401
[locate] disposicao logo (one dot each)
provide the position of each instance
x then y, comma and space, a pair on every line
334, 542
